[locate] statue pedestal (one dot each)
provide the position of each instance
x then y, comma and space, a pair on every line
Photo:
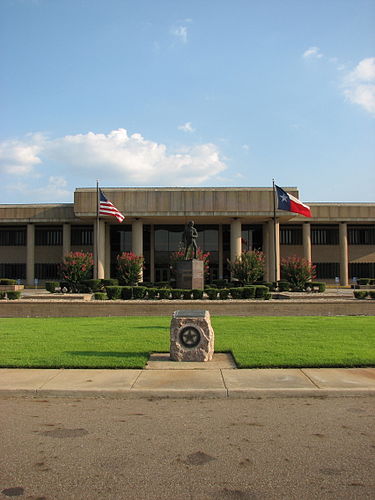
191, 336
190, 274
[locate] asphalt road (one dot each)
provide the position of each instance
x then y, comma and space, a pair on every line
187, 449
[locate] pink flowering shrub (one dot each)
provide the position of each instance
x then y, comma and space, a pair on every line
297, 271
76, 267
129, 267
179, 256
248, 267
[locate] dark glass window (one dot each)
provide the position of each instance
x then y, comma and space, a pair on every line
325, 235
82, 235
290, 235
252, 237
13, 271
327, 270
361, 235
362, 269
48, 235
13, 236
46, 271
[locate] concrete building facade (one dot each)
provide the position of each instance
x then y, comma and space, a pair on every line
339, 239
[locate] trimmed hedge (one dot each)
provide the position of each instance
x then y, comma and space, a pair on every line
283, 286
139, 292
2, 295
224, 293
360, 294
371, 294
152, 293
197, 294
164, 293
6, 281
92, 285
13, 295
51, 286
236, 293
126, 292
113, 292
109, 282
248, 292
261, 291
186, 294
212, 293
100, 296
176, 294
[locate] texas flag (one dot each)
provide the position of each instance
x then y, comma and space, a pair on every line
288, 202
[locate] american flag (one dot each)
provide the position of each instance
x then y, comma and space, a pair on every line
107, 208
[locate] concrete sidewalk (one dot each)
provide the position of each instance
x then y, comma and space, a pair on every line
188, 381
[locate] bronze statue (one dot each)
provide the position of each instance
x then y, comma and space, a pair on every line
189, 237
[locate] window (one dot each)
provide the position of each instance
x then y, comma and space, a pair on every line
252, 237
48, 236
13, 236
327, 270
46, 271
325, 235
362, 269
82, 235
13, 271
290, 235
361, 235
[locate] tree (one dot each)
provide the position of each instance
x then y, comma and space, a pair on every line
248, 267
76, 267
130, 266
297, 271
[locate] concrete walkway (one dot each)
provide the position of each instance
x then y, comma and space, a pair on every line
165, 379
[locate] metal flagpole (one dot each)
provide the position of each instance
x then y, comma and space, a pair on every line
97, 231
274, 229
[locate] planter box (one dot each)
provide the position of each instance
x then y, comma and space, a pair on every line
11, 288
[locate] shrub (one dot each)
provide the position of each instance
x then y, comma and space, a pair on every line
176, 294
75, 268
212, 293
249, 291
92, 285
139, 292
6, 281
371, 294
363, 281
162, 284
129, 267
267, 296
197, 294
113, 292
51, 286
297, 271
224, 293
284, 286
2, 295
164, 293
236, 293
65, 286
100, 296
109, 282
221, 283
248, 267
13, 295
316, 284
261, 291
360, 294
186, 294
126, 292
152, 293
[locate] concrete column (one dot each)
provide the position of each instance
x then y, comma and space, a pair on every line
344, 260
221, 253
137, 238
107, 268
152, 253
306, 235
266, 251
274, 273
99, 252
30, 254
235, 239
66, 239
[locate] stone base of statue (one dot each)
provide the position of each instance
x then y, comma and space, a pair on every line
190, 274
192, 337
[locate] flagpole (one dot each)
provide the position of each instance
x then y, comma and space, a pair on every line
274, 230
97, 232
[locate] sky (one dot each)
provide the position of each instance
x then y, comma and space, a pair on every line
187, 93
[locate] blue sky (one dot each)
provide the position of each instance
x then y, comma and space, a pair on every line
187, 93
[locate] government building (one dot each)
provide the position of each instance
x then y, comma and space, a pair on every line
339, 238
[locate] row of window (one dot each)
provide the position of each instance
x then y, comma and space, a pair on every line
168, 238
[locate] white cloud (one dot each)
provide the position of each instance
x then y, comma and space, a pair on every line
20, 157
52, 190
186, 127
181, 33
359, 85
246, 147
312, 52
115, 158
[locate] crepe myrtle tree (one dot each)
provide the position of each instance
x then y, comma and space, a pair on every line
76, 267
297, 271
248, 267
129, 268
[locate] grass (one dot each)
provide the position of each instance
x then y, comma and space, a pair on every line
126, 342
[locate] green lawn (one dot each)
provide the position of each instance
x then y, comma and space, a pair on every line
126, 342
